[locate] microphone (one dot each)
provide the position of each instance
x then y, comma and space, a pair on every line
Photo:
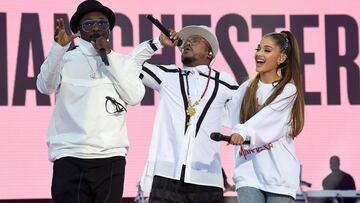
220, 137
102, 52
162, 28
103, 56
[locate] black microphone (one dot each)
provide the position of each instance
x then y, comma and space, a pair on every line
162, 28
102, 52
220, 137
103, 56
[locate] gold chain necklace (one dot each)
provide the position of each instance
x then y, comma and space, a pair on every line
190, 111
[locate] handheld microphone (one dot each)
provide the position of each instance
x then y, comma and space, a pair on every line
102, 52
220, 137
162, 28
103, 56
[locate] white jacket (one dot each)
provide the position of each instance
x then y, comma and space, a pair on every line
269, 163
80, 126
173, 143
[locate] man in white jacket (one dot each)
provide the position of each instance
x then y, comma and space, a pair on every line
184, 163
87, 136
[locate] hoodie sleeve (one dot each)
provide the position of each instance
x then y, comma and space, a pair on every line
49, 77
126, 78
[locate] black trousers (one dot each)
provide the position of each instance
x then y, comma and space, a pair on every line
166, 190
88, 180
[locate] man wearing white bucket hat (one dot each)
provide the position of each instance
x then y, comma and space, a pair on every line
184, 163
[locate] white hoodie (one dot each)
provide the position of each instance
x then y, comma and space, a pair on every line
270, 162
80, 125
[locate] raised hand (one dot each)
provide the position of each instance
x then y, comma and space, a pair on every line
167, 42
61, 37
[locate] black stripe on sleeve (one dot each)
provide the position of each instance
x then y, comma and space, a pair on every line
168, 70
152, 45
208, 104
151, 74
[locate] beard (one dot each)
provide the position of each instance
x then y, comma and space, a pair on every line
186, 60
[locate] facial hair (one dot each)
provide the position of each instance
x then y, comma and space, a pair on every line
187, 60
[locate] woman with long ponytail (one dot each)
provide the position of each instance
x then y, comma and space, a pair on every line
269, 112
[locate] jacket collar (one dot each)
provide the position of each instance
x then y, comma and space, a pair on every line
199, 69
87, 48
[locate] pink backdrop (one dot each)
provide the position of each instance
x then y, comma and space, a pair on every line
329, 130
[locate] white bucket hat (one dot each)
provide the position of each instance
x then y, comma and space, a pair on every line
203, 31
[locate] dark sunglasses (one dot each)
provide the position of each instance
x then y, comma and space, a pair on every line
89, 25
